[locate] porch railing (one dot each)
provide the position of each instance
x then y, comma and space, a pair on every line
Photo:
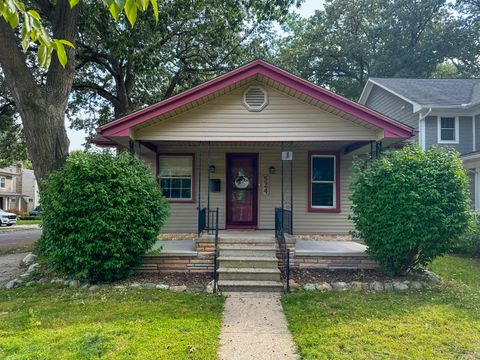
208, 221
283, 225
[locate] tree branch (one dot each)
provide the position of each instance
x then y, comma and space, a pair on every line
90, 86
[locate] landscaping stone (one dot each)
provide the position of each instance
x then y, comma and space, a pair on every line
25, 275
195, 288
388, 286
74, 283
323, 286
357, 286
11, 284
134, 286
377, 286
28, 260
309, 287
66, 282
294, 286
416, 285
85, 286
33, 267
149, 285
94, 287
397, 285
340, 286
119, 287
44, 280
57, 281
178, 288
30, 283
431, 277
210, 287
162, 287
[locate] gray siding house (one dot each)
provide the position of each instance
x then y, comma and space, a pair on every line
445, 112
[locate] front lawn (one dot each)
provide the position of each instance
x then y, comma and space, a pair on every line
29, 222
52, 323
441, 323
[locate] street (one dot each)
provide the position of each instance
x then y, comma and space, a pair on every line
18, 238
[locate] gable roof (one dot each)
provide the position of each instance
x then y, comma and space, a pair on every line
122, 126
429, 92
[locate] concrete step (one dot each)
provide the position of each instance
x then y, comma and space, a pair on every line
269, 262
247, 286
256, 274
247, 240
248, 251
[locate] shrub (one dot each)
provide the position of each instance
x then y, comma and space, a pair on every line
409, 206
28, 217
13, 211
101, 213
469, 243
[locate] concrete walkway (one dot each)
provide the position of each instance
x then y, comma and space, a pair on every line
254, 327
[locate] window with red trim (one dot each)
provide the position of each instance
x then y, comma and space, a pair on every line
323, 182
176, 176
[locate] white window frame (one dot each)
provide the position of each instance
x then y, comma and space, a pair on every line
439, 130
4, 178
333, 182
192, 178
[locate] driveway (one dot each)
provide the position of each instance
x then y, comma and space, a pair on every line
10, 239
10, 267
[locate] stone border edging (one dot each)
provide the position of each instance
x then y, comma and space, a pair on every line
424, 280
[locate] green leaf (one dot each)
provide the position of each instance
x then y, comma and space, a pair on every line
34, 14
131, 11
61, 54
42, 55
142, 4
155, 9
114, 10
73, 2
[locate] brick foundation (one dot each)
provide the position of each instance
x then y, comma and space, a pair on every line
333, 262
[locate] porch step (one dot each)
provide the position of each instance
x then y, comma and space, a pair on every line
247, 286
264, 240
249, 274
256, 262
236, 250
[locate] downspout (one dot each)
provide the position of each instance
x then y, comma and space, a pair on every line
421, 126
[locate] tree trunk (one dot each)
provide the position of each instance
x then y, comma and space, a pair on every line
42, 106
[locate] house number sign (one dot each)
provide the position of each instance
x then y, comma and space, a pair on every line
287, 155
266, 185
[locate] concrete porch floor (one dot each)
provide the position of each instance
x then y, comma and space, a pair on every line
302, 248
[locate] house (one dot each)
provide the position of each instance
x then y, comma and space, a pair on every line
18, 189
445, 112
255, 149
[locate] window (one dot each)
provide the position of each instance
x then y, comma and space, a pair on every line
448, 130
176, 176
323, 182
3, 182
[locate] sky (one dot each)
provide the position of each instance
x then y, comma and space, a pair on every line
77, 138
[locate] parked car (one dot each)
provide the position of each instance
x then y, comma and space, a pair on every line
36, 212
7, 218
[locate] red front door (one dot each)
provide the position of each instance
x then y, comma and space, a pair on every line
242, 184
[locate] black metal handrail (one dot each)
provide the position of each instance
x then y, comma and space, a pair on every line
202, 220
280, 216
215, 257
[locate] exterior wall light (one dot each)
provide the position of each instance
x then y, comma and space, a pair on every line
271, 170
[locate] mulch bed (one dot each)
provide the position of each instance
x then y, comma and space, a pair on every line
172, 279
308, 276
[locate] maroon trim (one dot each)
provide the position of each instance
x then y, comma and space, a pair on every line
337, 207
232, 225
179, 201
391, 127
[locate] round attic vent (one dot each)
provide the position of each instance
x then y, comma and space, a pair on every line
255, 98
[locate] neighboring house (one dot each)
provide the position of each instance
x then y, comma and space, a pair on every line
445, 112
18, 189
220, 145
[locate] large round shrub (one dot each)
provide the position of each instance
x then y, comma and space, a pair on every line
409, 206
101, 213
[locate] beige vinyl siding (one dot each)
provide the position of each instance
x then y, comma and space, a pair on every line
183, 216
285, 118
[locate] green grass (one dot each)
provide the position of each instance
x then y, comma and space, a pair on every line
441, 323
28, 222
17, 249
51, 323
